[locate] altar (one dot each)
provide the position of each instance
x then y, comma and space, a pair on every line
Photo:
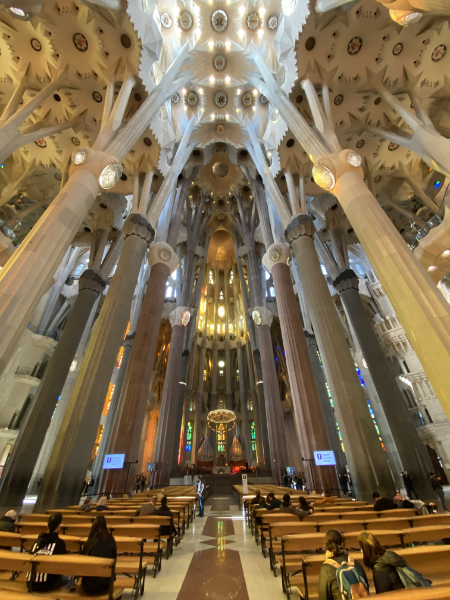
217, 470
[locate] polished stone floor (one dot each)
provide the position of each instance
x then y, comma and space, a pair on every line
216, 560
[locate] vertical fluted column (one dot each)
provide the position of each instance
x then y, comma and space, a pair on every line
309, 419
328, 413
295, 206
244, 412
149, 447
19, 469
125, 438
68, 463
97, 468
262, 437
199, 401
295, 453
167, 421
275, 421
362, 446
412, 453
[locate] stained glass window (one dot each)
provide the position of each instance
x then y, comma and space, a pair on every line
221, 439
253, 434
363, 385
189, 437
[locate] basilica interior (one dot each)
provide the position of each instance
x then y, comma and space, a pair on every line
224, 251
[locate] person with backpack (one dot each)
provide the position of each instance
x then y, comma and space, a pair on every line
102, 544
48, 544
390, 571
341, 577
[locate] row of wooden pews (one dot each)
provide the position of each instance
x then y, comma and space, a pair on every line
140, 546
295, 546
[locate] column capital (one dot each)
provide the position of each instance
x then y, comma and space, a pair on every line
180, 316
91, 279
299, 226
138, 224
346, 280
261, 316
276, 254
128, 341
310, 339
329, 169
163, 253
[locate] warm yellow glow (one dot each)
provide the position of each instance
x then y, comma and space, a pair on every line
227, 45
211, 44
221, 312
446, 252
227, 79
212, 79
200, 91
432, 268
241, 10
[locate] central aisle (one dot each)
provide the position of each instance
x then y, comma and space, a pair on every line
217, 560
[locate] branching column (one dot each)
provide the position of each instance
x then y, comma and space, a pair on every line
20, 466
412, 453
66, 470
361, 442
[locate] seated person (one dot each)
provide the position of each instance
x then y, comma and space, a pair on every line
87, 504
327, 499
48, 544
148, 508
287, 507
383, 563
272, 502
99, 543
262, 504
382, 503
164, 510
101, 504
8, 522
336, 553
304, 505
257, 498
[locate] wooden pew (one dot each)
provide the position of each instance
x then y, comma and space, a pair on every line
9, 540
385, 537
416, 535
280, 530
72, 542
63, 564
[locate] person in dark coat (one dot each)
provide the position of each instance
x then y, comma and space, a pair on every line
328, 584
383, 503
102, 544
343, 482
257, 498
272, 502
383, 563
165, 511
409, 485
436, 484
48, 544
304, 505
7, 523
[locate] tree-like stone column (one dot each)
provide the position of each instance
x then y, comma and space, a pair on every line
410, 449
19, 469
244, 412
167, 420
128, 423
308, 412
328, 413
97, 468
66, 469
365, 457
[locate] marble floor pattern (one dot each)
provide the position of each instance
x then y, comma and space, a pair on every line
216, 560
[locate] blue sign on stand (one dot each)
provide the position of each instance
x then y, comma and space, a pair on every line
325, 458
113, 461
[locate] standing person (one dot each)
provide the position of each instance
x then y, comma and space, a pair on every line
385, 564
409, 485
102, 544
38, 485
336, 556
90, 483
48, 544
436, 484
286, 480
343, 482
200, 491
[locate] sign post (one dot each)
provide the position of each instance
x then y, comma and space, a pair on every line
244, 484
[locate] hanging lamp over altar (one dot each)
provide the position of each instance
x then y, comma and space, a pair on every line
221, 417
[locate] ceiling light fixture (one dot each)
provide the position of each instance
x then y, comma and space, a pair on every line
354, 159
323, 177
79, 157
227, 45
410, 19
18, 13
227, 79
211, 79
241, 33
446, 252
241, 10
211, 44
432, 268
110, 176
200, 90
